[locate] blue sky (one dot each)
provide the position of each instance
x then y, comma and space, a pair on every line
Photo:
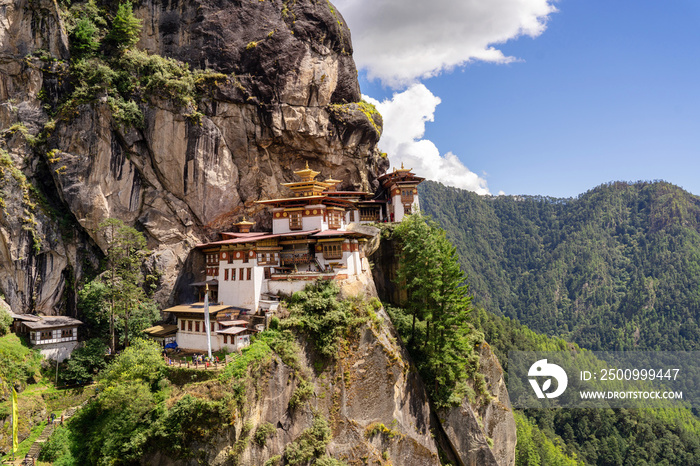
601, 91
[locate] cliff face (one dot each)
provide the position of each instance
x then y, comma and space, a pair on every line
474, 433
285, 95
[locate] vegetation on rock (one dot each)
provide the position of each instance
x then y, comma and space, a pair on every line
439, 336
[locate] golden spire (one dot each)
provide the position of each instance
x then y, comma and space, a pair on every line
306, 174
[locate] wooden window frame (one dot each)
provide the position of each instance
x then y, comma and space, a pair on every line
333, 251
296, 221
335, 219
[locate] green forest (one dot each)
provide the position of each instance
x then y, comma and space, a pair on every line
627, 254
614, 269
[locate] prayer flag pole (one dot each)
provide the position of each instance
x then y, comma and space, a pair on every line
206, 319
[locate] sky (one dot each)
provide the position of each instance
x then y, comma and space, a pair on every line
536, 97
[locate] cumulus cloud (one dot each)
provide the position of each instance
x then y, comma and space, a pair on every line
405, 116
399, 41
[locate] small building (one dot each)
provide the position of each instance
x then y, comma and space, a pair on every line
230, 327
163, 334
54, 336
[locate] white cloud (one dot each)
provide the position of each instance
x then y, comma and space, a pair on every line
405, 116
399, 41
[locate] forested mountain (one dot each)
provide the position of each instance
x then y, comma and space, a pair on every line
616, 268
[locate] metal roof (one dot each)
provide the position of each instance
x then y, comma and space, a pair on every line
232, 330
198, 308
52, 322
161, 330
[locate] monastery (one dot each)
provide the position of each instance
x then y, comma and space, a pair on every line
313, 237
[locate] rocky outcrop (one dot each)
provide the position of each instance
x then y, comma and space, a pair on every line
374, 403
483, 432
285, 98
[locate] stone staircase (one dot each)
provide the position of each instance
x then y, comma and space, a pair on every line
34, 450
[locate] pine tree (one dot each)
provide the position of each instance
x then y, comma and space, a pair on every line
126, 250
125, 30
437, 294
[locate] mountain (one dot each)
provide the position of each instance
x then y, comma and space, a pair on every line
616, 268
178, 134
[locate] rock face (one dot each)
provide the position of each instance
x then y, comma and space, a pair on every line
469, 427
376, 407
465, 430
286, 99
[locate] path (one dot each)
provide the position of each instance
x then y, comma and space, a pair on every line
34, 450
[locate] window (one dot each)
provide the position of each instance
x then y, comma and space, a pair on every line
245, 257
333, 251
334, 219
66, 333
189, 325
225, 339
182, 325
295, 221
268, 273
369, 214
240, 275
248, 273
196, 326
225, 274
233, 275
46, 335
407, 196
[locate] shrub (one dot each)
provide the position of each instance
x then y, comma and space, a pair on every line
310, 444
56, 446
5, 321
262, 433
302, 393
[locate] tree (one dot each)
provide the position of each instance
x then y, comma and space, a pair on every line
126, 250
125, 30
85, 362
437, 293
83, 38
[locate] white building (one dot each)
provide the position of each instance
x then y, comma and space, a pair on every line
311, 239
54, 336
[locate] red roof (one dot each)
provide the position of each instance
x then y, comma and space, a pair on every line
256, 238
332, 233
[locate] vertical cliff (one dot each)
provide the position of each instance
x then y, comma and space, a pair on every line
273, 85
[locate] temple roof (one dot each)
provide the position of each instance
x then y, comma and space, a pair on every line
254, 239
307, 174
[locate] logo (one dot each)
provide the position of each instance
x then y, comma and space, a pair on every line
543, 369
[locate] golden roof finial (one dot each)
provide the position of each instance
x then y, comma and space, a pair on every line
307, 165
401, 165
